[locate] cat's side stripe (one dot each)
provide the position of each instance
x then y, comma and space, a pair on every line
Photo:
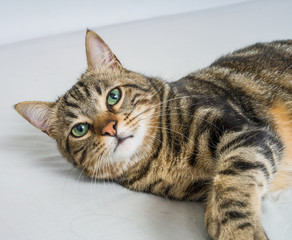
197, 187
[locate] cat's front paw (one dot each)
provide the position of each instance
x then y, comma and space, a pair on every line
224, 229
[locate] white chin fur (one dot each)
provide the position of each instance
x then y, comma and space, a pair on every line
129, 147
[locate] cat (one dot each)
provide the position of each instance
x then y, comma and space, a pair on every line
220, 135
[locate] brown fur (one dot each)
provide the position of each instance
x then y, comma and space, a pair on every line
221, 135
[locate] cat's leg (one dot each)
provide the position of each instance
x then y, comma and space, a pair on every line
244, 170
233, 209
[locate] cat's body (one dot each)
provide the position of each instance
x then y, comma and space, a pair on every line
220, 135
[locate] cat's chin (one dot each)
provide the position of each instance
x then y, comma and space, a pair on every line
127, 146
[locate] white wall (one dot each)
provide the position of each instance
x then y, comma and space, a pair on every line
26, 19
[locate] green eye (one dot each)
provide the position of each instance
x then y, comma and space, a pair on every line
113, 97
80, 130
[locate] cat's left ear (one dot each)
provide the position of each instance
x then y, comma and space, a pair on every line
39, 114
99, 55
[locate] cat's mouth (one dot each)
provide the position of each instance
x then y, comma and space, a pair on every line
121, 140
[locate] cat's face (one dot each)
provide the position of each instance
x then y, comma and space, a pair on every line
106, 122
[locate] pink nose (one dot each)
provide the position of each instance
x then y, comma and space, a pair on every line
109, 128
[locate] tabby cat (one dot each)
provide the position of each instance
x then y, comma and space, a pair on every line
221, 135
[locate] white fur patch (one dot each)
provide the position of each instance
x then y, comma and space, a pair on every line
128, 148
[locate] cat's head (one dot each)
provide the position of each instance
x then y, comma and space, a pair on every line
107, 121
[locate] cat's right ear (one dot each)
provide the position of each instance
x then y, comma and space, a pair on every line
99, 55
39, 114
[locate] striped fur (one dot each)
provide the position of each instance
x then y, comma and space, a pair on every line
215, 135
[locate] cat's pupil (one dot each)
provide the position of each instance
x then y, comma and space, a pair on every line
113, 96
80, 128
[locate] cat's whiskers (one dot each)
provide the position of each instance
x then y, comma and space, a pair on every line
156, 92
171, 130
96, 167
93, 183
92, 177
173, 124
109, 187
81, 172
104, 183
162, 115
156, 139
166, 101
102, 163
98, 164
173, 114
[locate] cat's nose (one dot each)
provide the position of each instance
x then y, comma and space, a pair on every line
109, 128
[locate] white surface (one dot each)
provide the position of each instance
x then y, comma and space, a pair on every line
21, 20
43, 197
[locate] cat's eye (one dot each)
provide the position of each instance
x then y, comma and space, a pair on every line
80, 129
113, 97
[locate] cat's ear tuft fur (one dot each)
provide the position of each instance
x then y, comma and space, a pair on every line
37, 113
99, 55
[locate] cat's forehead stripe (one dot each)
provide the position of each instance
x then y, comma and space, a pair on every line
98, 90
84, 88
70, 103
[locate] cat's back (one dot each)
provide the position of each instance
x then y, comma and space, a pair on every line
272, 56
262, 72
257, 81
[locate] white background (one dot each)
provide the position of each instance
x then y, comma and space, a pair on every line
26, 19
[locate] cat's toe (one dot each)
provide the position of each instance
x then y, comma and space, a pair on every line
239, 231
